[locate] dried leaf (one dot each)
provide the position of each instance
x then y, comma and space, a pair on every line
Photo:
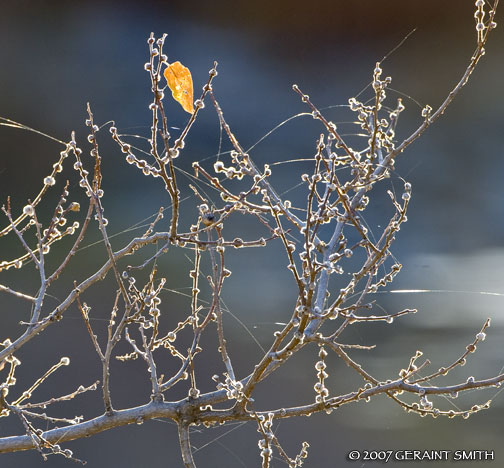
180, 82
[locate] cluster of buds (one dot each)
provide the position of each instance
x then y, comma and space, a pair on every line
233, 388
320, 387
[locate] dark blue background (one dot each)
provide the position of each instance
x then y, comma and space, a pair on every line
56, 56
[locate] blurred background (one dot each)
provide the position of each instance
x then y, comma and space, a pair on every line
56, 56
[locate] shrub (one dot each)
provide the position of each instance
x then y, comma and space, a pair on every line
322, 240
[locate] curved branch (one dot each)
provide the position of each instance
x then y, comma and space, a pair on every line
93, 426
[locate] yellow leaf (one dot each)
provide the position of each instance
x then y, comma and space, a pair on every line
180, 82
